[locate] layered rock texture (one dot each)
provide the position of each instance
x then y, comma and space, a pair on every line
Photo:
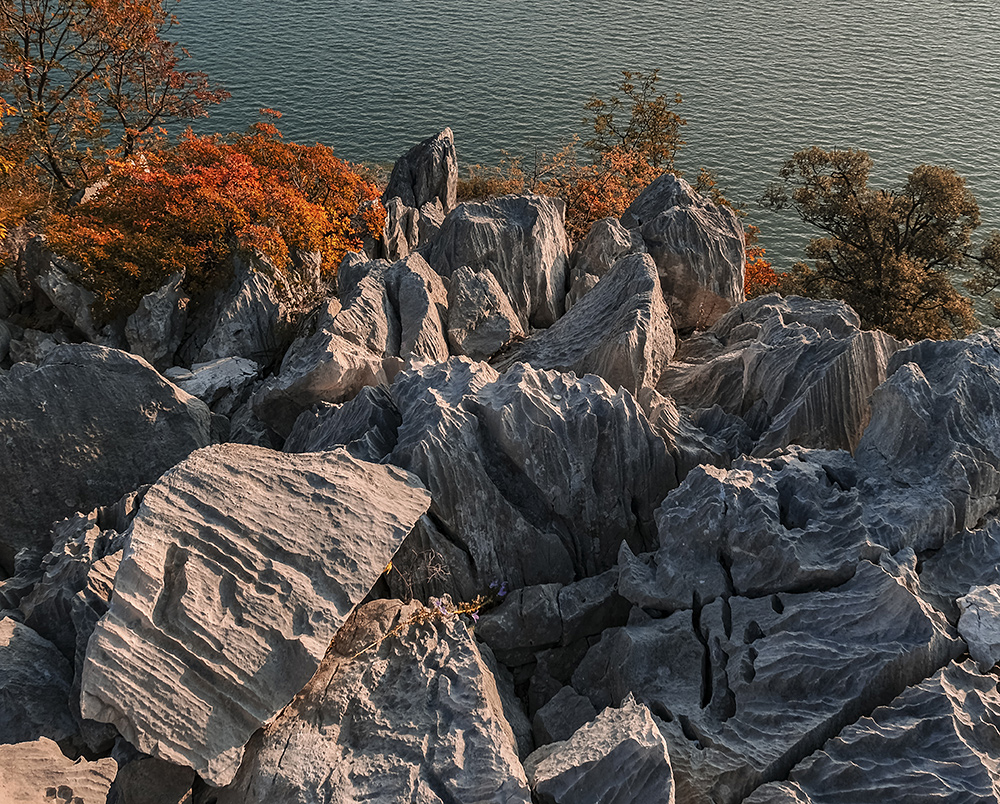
499, 520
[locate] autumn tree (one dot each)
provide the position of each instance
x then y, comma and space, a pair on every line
890, 254
76, 70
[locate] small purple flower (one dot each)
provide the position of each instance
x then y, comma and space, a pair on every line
475, 616
494, 585
502, 591
438, 603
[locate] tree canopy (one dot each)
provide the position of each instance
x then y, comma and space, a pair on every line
890, 254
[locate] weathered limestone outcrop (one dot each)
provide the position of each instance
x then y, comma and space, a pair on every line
758, 684
935, 742
620, 331
618, 758
697, 246
242, 564
365, 426
81, 429
388, 317
403, 708
798, 371
521, 240
606, 243
156, 328
425, 173
481, 321
979, 625
512, 462
30, 771
221, 384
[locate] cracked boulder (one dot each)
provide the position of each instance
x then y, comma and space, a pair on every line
535, 476
798, 371
618, 758
620, 331
365, 426
697, 246
481, 321
749, 687
606, 242
242, 564
521, 240
403, 708
84, 427
388, 317
936, 742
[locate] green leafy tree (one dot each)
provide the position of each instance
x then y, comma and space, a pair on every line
639, 119
890, 254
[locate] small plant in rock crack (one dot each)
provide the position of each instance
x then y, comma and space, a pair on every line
442, 608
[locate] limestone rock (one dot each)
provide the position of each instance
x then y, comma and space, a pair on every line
605, 243
401, 234
34, 686
365, 426
83, 428
798, 371
564, 713
970, 559
536, 477
522, 241
697, 246
936, 742
5, 339
149, 780
768, 680
221, 384
931, 454
156, 328
33, 345
620, 331
428, 171
979, 625
481, 321
415, 717
73, 300
246, 320
242, 565
30, 771
618, 758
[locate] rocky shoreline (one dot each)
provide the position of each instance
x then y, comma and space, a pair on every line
502, 520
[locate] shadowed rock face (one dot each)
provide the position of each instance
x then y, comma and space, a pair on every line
425, 173
242, 565
935, 742
415, 717
72, 429
522, 241
619, 331
697, 246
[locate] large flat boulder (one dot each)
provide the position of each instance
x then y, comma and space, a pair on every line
522, 241
403, 708
82, 428
241, 566
698, 248
619, 331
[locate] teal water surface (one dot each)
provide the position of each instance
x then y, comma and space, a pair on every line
911, 82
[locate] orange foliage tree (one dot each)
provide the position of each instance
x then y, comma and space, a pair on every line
71, 68
760, 278
189, 205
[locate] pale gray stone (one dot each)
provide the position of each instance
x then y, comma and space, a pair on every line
221, 384
30, 771
979, 624
522, 241
620, 331
481, 321
606, 242
428, 171
365, 426
156, 328
512, 463
34, 686
400, 235
80, 430
936, 742
698, 248
618, 758
241, 566
403, 708
71, 299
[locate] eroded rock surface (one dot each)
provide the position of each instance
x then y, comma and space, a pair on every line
403, 708
620, 331
30, 771
605, 243
481, 321
224, 606
156, 328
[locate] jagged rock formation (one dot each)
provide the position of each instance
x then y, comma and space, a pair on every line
224, 607
481, 321
620, 331
156, 328
605, 243
71, 428
402, 709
